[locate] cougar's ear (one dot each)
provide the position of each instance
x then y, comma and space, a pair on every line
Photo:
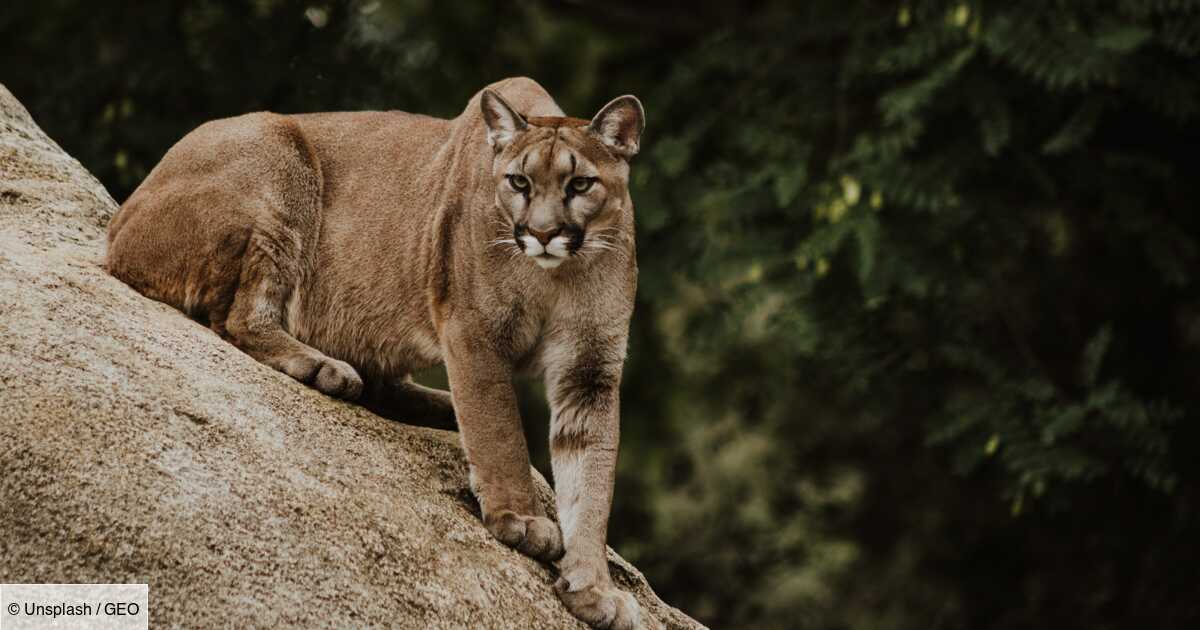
503, 122
620, 124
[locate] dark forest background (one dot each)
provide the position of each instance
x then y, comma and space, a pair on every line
918, 323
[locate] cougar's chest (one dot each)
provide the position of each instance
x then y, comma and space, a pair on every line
518, 325
514, 327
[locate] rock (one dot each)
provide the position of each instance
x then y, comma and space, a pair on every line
136, 446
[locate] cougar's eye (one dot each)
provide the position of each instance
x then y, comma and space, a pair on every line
520, 183
580, 184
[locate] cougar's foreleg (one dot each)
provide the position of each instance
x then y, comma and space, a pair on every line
490, 425
583, 377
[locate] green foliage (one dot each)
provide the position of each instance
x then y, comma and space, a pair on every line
918, 319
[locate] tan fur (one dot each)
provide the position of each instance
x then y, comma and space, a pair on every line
342, 246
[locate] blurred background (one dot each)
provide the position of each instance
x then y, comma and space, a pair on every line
918, 322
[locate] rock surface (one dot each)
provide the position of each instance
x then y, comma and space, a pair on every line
136, 446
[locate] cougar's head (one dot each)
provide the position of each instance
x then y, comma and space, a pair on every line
562, 184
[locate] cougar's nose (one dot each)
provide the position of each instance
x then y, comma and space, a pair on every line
543, 237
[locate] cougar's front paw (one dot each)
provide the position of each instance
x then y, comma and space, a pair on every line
328, 376
604, 607
535, 536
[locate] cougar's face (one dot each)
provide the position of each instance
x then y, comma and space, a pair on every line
561, 190
556, 193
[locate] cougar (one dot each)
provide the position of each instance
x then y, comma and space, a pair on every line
352, 246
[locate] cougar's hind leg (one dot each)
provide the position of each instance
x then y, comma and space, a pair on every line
256, 317
431, 404
410, 402
278, 258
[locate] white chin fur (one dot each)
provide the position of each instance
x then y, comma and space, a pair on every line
546, 262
